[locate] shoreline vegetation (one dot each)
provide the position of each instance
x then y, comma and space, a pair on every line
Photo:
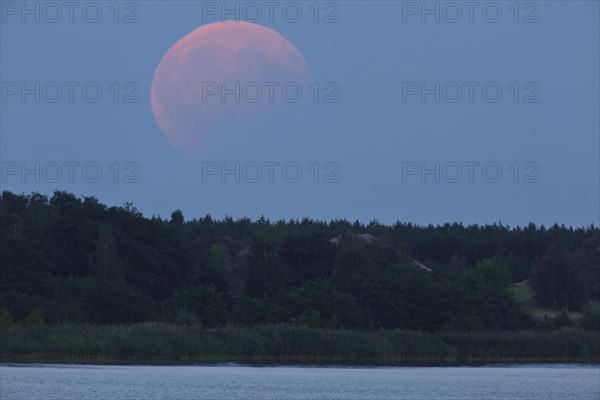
161, 343
81, 281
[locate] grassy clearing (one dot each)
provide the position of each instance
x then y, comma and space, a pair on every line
525, 297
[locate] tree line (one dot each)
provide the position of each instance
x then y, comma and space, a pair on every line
68, 258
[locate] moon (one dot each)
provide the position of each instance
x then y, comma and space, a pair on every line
213, 86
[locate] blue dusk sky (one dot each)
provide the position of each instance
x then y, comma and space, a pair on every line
425, 112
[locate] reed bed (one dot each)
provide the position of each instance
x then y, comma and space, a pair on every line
153, 342
562, 345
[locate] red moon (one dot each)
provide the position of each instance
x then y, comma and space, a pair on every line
216, 79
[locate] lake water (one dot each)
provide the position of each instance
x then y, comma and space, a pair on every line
82, 382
